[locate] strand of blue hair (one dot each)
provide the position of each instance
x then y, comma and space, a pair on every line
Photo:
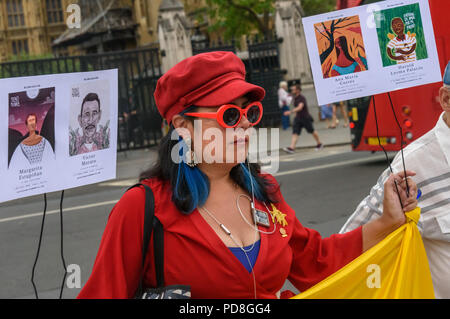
192, 178
251, 185
191, 187
198, 183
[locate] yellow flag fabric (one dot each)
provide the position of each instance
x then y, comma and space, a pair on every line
397, 267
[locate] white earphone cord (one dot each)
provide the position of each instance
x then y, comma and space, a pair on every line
252, 204
245, 219
228, 232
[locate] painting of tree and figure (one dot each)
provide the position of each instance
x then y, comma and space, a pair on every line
341, 46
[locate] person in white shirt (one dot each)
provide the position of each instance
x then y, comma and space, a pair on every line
429, 157
284, 100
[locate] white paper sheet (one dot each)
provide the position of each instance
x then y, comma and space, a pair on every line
371, 49
57, 132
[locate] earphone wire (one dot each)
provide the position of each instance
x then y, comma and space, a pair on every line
253, 213
228, 232
252, 202
253, 273
251, 183
245, 219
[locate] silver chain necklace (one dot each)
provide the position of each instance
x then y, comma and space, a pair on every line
228, 232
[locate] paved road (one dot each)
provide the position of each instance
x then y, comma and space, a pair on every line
323, 187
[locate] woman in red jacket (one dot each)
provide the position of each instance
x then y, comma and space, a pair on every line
228, 233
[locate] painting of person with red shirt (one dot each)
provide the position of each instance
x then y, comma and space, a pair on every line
228, 232
345, 63
341, 46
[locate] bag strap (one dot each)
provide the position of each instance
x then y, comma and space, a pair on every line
158, 251
151, 223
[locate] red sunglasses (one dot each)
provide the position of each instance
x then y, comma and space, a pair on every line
230, 115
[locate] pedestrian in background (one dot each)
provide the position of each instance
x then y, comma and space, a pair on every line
284, 100
326, 113
343, 109
302, 120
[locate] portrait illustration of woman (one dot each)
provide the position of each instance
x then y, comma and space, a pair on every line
345, 63
34, 148
341, 47
31, 133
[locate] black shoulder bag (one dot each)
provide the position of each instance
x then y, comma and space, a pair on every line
153, 225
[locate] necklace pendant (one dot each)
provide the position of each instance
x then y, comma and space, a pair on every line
261, 218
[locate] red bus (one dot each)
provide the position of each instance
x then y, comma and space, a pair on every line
417, 108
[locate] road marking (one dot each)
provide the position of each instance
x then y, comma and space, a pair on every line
120, 183
314, 168
105, 203
54, 211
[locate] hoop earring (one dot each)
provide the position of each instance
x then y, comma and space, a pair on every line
190, 157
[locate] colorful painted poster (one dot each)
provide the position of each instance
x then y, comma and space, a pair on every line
31, 129
371, 49
401, 35
57, 132
341, 46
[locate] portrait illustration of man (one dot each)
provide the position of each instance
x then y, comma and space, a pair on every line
402, 47
94, 136
401, 35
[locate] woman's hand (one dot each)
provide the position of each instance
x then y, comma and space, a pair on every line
393, 211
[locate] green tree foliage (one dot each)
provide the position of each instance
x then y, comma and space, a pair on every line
235, 18
313, 7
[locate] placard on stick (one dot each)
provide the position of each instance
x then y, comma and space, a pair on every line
57, 132
371, 49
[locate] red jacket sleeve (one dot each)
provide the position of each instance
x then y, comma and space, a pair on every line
315, 258
118, 264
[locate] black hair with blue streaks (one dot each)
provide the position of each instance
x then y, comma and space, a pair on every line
190, 186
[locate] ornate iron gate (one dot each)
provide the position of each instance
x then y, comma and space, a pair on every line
263, 69
139, 70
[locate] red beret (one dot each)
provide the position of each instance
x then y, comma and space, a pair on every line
207, 79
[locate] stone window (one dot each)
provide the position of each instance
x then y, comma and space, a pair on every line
14, 10
144, 11
19, 46
298, 23
179, 31
54, 11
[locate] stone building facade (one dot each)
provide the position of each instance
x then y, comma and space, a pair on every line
29, 26
38, 27
293, 51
